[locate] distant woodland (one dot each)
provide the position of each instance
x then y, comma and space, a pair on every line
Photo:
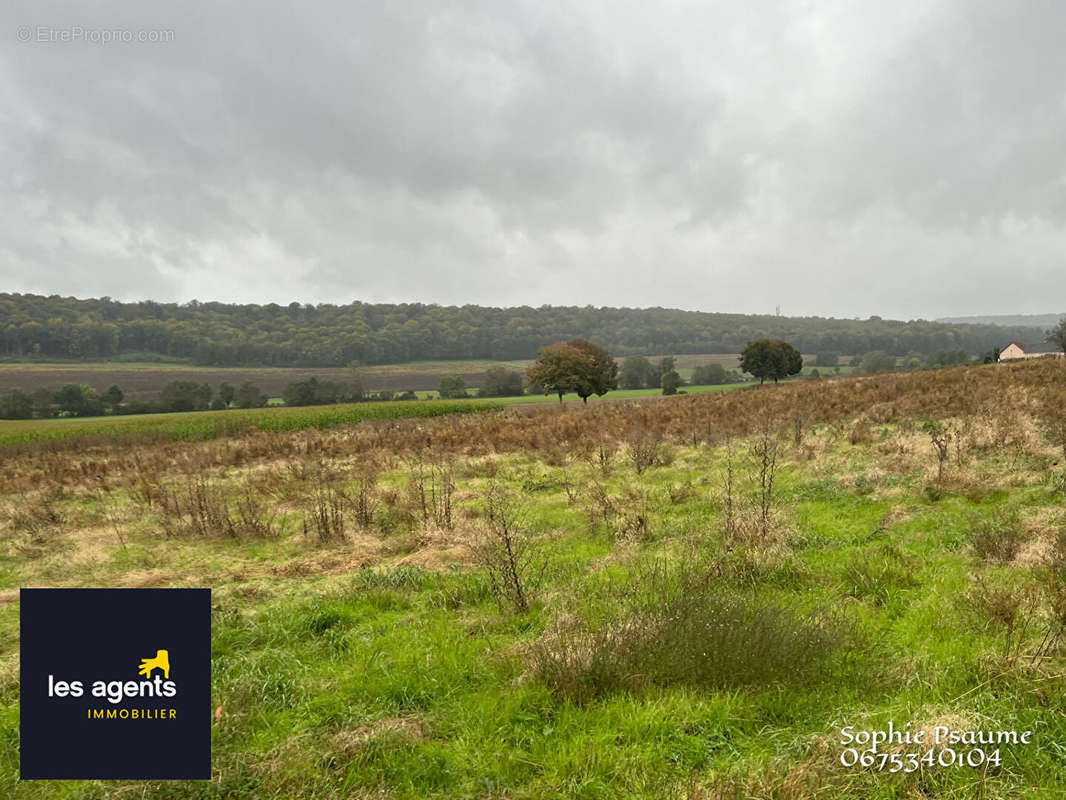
34, 327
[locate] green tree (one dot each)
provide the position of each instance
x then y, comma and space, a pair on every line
313, 392
502, 382
634, 373
1057, 335
770, 358
79, 401
356, 387
452, 387
576, 366
670, 381
112, 398
249, 396
877, 361
44, 403
709, 375
226, 393
827, 358
658, 369
185, 396
15, 404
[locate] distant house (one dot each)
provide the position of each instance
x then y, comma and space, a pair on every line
1019, 350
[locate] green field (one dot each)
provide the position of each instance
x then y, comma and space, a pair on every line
714, 586
212, 424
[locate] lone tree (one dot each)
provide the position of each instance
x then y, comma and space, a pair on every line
501, 382
770, 358
670, 381
1057, 335
877, 361
576, 366
635, 370
452, 387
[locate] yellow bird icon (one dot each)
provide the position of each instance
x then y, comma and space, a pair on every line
161, 660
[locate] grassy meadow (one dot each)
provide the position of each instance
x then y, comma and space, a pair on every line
685, 597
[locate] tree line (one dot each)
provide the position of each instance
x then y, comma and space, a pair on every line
327, 335
75, 400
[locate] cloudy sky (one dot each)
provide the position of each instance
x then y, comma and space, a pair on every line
842, 158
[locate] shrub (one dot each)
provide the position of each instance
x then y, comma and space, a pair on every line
249, 396
325, 518
506, 550
502, 382
452, 387
709, 375
682, 628
205, 510
999, 537
185, 396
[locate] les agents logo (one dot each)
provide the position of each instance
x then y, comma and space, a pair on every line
85, 715
117, 691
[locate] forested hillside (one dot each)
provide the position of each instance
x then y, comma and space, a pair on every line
219, 334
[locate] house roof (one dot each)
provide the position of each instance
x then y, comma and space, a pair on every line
1046, 347
1019, 345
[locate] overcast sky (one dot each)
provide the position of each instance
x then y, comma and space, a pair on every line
846, 158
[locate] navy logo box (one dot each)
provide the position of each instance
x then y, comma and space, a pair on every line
115, 684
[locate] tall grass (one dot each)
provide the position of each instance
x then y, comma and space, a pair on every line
682, 627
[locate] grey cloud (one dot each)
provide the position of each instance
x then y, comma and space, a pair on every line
849, 158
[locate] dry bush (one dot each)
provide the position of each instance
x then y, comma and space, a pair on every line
324, 521
633, 524
999, 537
860, 432
365, 499
604, 457
506, 549
1013, 607
646, 449
600, 506
35, 515
430, 490
1052, 416
202, 509
764, 470
748, 491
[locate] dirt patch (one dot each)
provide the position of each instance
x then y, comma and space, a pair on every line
350, 739
437, 559
148, 578
1035, 553
92, 546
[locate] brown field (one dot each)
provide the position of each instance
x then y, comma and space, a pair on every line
542, 593
143, 381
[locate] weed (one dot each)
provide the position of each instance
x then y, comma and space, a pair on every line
999, 537
324, 520
506, 550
